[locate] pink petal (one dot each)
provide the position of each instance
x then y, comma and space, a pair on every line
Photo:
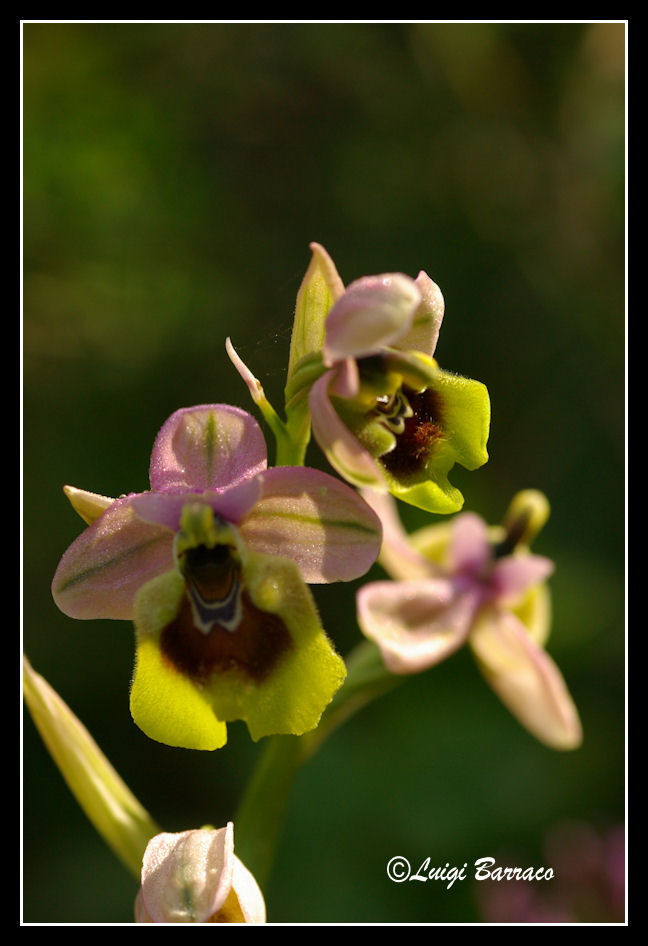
249, 895
186, 877
397, 555
424, 333
416, 624
515, 574
213, 446
166, 508
526, 679
343, 451
345, 379
373, 313
316, 520
100, 573
469, 549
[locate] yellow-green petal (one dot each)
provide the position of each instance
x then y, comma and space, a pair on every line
466, 417
432, 495
88, 505
534, 610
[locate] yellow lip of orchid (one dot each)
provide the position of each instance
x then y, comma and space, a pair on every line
261, 656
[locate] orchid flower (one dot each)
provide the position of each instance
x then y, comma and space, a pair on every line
361, 373
211, 565
463, 583
195, 877
382, 410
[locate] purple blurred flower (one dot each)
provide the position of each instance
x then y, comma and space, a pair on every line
588, 885
457, 584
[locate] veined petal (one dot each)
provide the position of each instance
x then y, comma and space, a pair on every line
343, 451
526, 679
102, 570
416, 624
424, 333
374, 312
397, 554
513, 575
315, 520
210, 447
186, 877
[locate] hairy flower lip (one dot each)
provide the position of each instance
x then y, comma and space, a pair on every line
277, 671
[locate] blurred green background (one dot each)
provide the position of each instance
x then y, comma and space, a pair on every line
174, 175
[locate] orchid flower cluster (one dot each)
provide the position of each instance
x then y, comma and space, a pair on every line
213, 566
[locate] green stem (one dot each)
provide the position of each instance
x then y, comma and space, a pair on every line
289, 452
259, 819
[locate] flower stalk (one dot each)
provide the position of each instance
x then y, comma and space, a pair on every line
260, 815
